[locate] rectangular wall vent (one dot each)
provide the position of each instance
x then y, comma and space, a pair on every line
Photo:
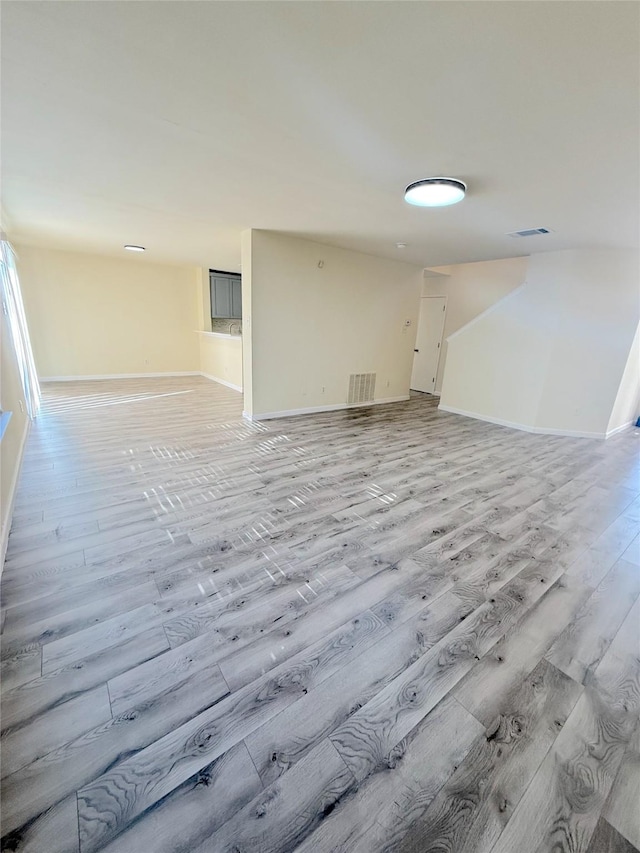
362, 387
528, 232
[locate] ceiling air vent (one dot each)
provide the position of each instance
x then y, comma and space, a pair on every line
529, 232
362, 387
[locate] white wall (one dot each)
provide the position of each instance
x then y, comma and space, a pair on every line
596, 296
470, 289
491, 370
306, 329
551, 355
626, 409
91, 315
13, 441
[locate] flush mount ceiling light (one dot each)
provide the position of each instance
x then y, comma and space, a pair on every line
136, 248
435, 192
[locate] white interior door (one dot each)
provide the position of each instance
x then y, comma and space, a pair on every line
428, 343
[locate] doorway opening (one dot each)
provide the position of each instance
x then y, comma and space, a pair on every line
426, 354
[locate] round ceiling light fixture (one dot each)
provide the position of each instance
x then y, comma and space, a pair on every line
435, 192
135, 248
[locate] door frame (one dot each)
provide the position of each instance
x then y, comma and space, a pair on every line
446, 305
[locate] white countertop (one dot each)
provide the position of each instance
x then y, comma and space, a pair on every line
220, 335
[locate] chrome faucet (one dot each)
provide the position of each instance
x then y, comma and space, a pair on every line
231, 325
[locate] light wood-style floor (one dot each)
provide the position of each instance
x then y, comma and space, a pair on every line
384, 629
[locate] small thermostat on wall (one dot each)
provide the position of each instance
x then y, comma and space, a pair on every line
407, 322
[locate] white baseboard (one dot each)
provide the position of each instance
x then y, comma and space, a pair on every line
221, 381
13, 488
312, 410
621, 428
118, 376
569, 433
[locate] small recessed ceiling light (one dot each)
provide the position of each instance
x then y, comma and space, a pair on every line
435, 192
401, 245
135, 248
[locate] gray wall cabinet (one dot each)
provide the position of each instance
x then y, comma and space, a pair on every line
226, 296
236, 298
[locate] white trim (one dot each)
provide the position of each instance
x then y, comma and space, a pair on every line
312, 410
484, 313
616, 430
569, 433
221, 381
13, 488
220, 335
444, 408
98, 376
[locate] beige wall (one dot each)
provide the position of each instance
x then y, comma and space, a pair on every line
11, 446
471, 289
91, 315
221, 358
311, 327
551, 355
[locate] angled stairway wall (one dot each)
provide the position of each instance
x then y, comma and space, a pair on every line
551, 356
626, 408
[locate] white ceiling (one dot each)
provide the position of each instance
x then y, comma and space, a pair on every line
178, 124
